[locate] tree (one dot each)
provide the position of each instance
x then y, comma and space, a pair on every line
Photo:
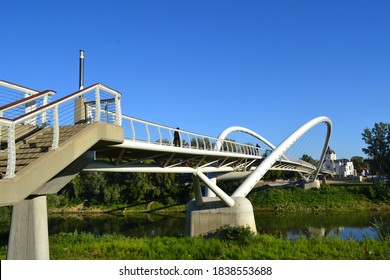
378, 147
359, 164
309, 159
273, 175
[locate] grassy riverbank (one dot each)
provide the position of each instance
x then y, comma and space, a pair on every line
89, 247
86, 246
328, 198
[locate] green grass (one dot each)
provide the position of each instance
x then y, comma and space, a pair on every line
83, 246
338, 197
228, 243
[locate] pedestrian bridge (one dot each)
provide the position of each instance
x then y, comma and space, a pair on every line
46, 142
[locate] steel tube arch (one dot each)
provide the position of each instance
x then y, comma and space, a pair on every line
325, 148
267, 163
231, 129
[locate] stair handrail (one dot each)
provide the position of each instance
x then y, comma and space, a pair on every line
54, 106
18, 87
65, 99
25, 101
9, 123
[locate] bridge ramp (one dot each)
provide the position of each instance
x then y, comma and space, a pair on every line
37, 164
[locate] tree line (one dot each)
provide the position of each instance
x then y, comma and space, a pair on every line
97, 188
106, 188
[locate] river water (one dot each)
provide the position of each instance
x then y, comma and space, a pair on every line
355, 225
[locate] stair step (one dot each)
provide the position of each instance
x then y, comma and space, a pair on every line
36, 144
21, 151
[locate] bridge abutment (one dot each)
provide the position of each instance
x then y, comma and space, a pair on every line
312, 185
213, 214
29, 236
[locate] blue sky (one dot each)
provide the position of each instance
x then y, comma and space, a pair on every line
266, 65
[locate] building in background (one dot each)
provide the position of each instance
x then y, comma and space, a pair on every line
337, 167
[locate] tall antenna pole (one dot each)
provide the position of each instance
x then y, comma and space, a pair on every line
81, 72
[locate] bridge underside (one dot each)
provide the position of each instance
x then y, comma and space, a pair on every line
143, 157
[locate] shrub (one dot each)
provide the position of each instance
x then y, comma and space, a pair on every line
378, 192
243, 235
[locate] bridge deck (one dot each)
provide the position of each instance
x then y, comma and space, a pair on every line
140, 156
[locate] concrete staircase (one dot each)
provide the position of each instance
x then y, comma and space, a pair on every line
41, 170
34, 162
34, 144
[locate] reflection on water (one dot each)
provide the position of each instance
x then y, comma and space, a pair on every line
137, 225
356, 225
345, 225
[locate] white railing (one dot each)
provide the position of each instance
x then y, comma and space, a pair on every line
16, 100
100, 103
17, 87
65, 111
10, 92
152, 133
26, 105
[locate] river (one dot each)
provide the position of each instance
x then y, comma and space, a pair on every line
345, 225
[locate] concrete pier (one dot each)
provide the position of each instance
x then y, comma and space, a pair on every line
29, 236
213, 214
312, 185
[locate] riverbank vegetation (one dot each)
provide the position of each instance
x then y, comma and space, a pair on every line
229, 243
327, 198
294, 199
232, 247
103, 192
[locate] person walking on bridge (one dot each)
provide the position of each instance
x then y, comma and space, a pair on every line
176, 138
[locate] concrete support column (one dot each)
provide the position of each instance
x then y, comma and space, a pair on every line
197, 191
214, 214
29, 236
312, 185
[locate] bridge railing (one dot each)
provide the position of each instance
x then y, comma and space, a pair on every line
10, 92
23, 106
147, 132
94, 103
152, 133
16, 100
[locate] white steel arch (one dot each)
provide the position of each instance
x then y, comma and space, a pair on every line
231, 129
259, 172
